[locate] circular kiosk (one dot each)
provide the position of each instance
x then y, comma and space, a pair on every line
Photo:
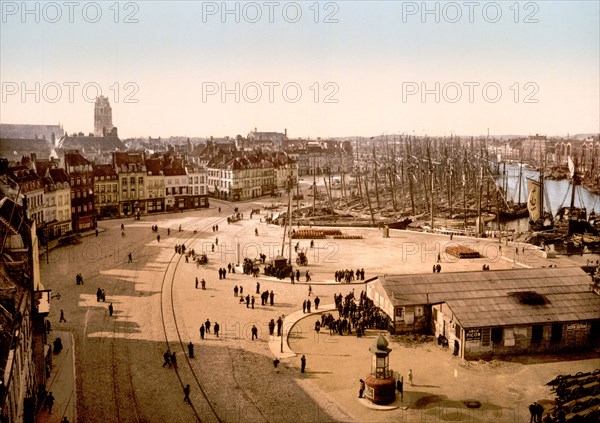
380, 384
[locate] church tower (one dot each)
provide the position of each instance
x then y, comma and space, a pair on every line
102, 117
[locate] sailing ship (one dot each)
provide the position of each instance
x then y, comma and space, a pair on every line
538, 221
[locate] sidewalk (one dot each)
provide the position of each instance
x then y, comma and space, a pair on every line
280, 347
61, 382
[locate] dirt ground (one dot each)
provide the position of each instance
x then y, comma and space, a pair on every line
119, 360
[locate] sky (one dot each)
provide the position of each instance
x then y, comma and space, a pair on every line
317, 69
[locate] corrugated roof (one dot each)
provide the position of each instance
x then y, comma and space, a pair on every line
483, 298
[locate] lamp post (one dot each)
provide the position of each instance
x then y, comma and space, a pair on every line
282, 332
380, 383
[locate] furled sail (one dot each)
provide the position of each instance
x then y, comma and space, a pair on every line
534, 200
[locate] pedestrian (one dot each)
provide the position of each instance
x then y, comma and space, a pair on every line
196, 282
62, 316
110, 309
361, 389
400, 387
317, 301
201, 331
271, 297
304, 306
235, 291
207, 325
130, 258
241, 289
174, 360
257, 288
439, 258
168, 231
309, 290
167, 358
203, 282
157, 238
96, 233
271, 327
252, 301
217, 241
307, 276
122, 227
303, 364
247, 300
279, 324
254, 332
410, 377
186, 393
191, 349
49, 402
216, 329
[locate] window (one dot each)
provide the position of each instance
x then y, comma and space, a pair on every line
399, 313
141, 180
124, 181
132, 180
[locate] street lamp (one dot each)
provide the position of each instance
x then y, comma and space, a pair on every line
282, 331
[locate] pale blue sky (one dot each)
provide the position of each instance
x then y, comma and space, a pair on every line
370, 56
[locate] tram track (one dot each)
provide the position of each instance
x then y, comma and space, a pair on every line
168, 312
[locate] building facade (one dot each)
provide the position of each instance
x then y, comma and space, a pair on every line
106, 191
81, 178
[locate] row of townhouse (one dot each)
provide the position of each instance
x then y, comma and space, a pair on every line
25, 356
238, 176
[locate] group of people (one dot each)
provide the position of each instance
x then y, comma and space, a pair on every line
205, 329
437, 268
306, 304
361, 316
272, 325
79, 279
348, 276
222, 273
170, 359
215, 228
100, 295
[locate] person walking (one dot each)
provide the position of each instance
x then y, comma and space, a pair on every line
304, 306
254, 332
203, 283
207, 325
110, 309
62, 316
271, 327
317, 301
49, 402
252, 301
257, 288
167, 358
130, 258
400, 387
174, 360
196, 282
309, 290
191, 349
308, 306
279, 324
235, 291
216, 329
186, 393
302, 364
201, 331
271, 296
361, 389
410, 377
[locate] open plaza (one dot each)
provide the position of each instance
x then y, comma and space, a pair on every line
118, 369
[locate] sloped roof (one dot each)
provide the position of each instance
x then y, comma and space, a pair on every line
16, 130
8, 147
91, 143
103, 170
486, 298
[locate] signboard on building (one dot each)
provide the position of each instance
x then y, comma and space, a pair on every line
473, 334
577, 326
